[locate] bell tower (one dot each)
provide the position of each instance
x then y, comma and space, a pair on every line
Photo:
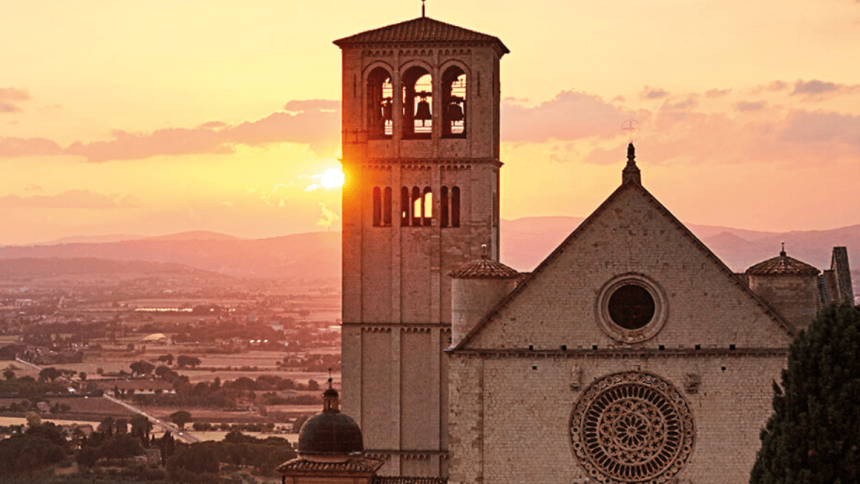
421, 160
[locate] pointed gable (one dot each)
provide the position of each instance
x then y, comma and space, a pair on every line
700, 303
421, 30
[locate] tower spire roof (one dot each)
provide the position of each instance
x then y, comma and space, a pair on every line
631, 173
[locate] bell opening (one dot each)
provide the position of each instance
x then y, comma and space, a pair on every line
454, 103
417, 103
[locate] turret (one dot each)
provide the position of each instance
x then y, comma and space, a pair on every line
789, 286
478, 287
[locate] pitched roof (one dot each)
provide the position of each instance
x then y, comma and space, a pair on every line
409, 480
420, 30
782, 265
786, 326
485, 269
360, 465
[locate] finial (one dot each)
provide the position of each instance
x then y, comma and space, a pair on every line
631, 173
422, 8
485, 254
782, 252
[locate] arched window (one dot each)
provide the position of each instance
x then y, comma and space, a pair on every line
404, 207
417, 200
380, 104
386, 207
443, 207
427, 206
377, 208
454, 103
455, 207
417, 103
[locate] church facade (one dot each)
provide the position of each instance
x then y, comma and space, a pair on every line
631, 354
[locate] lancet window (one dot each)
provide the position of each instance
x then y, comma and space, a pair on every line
417, 103
380, 104
454, 103
416, 207
382, 207
449, 207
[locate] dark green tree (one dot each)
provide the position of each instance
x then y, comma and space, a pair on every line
180, 418
814, 433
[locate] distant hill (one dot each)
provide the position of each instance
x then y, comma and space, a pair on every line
312, 255
525, 243
55, 267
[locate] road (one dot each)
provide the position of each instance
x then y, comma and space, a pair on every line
183, 436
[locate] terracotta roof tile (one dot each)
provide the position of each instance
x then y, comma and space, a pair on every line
485, 269
781, 265
419, 30
409, 480
352, 466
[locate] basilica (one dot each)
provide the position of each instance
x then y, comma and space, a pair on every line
631, 354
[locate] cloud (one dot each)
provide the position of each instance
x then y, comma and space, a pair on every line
570, 115
131, 146
327, 218
312, 105
313, 125
817, 89
70, 199
820, 127
777, 86
653, 93
32, 188
13, 147
747, 106
717, 92
10, 97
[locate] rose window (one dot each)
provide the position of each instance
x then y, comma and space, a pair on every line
632, 427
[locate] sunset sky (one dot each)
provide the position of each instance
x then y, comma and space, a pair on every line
154, 117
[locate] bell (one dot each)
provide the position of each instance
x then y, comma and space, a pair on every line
386, 109
454, 112
423, 111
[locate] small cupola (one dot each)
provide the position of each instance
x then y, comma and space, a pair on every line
477, 287
330, 436
788, 285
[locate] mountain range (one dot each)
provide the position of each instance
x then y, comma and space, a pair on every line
525, 242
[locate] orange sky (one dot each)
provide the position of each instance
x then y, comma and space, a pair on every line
155, 117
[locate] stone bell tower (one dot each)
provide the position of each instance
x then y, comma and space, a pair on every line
421, 160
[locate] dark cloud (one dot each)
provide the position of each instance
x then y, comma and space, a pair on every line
683, 105
10, 97
13, 147
312, 105
314, 124
746, 106
717, 92
816, 88
570, 115
69, 199
653, 93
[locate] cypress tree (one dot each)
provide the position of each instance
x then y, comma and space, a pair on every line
813, 435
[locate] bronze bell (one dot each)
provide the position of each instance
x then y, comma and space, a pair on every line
454, 112
386, 109
423, 111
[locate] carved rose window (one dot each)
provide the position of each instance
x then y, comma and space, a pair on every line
632, 427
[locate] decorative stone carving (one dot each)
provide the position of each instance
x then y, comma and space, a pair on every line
632, 427
692, 381
576, 378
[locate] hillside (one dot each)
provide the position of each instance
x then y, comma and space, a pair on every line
525, 243
313, 255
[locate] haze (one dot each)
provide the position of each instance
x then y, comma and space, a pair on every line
146, 118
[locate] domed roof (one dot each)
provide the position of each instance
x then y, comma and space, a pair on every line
782, 265
484, 268
330, 433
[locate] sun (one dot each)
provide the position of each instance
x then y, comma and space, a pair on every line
332, 178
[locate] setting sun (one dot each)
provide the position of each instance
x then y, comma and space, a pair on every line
332, 178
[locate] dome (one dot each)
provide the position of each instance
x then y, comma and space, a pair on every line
782, 265
330, 433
